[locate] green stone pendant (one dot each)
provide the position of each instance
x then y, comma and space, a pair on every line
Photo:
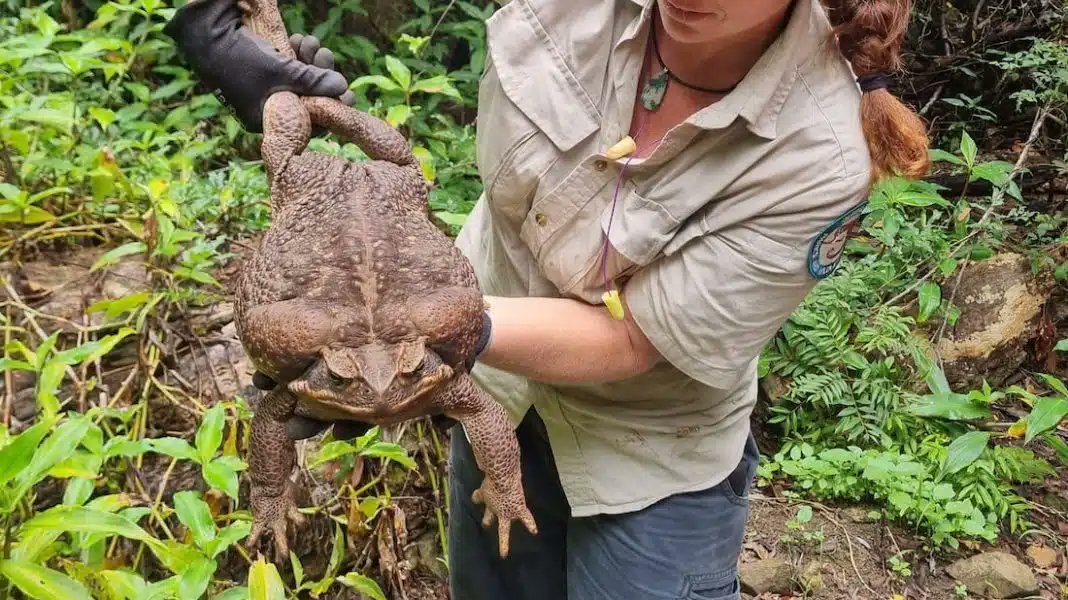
653, 92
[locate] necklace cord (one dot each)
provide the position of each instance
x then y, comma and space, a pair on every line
670, 73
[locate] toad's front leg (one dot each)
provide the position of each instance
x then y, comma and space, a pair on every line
273, 456
496, 451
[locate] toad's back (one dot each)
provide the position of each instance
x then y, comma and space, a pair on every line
351, 236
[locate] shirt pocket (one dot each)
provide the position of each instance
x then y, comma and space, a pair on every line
532, 108
575, 257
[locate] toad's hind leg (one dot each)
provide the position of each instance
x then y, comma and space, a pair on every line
286, 129
271, 463
373, 135
496, 451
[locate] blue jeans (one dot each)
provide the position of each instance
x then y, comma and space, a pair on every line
684, 547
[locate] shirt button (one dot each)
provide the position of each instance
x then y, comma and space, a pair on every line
541, 219
600, 165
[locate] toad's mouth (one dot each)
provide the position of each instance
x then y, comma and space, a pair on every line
375, 409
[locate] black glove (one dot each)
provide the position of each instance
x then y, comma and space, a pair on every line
242, 68
300, 428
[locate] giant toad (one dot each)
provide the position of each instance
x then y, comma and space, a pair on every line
357, 304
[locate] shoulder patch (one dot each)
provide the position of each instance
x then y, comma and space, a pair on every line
825, 252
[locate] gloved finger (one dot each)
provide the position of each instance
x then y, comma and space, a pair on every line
309, 46
302, 428
294, 42
348, 98
263, 382
442, 422
308, 80
347, 430
324, 59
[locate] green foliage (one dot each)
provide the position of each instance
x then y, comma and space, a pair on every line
106, 140
1044, 66
865, 411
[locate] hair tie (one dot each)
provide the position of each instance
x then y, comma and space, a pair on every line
874, 81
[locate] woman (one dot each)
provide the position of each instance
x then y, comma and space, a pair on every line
632, 286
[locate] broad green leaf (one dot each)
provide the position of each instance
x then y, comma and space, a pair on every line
1047, 414
194, 581
175, 447
264, 583
942, 491
120, 446
162, 590
449, 218
9, 191
10, 364
426, 162
804, 514
955, 407
901, 501
399, 72
398, 115
176, 556
112, 256
1062, 346
210, 433
221, 476
439, 84
948, 266
943, 156
332, 451
235, 593
103, 116
228, 536
389, 451
92, 351
930, 298
379, 81
123, 584
17, 454
195, 514
1056, 384
28, 215
965, 450
364, 585
56, 448
42, 583
968, 149
118, 306
86, 520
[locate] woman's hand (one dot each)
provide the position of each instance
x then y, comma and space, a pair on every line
242, 68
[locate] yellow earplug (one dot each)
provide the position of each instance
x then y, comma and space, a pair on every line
621, 148
614, 303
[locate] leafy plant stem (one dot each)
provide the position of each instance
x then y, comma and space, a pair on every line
995, 201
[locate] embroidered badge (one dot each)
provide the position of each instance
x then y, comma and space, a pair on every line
826, 250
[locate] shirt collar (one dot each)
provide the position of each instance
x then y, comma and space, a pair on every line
760, 96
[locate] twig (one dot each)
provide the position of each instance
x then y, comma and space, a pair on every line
9, 395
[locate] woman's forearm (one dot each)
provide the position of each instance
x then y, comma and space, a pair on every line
561, 340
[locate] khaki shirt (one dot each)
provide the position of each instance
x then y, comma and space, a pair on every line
710, 241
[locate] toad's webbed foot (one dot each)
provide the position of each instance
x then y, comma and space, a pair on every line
274, 513
504, 502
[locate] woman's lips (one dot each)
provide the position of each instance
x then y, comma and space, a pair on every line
688, 15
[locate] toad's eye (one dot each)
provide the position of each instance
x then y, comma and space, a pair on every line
336, 379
